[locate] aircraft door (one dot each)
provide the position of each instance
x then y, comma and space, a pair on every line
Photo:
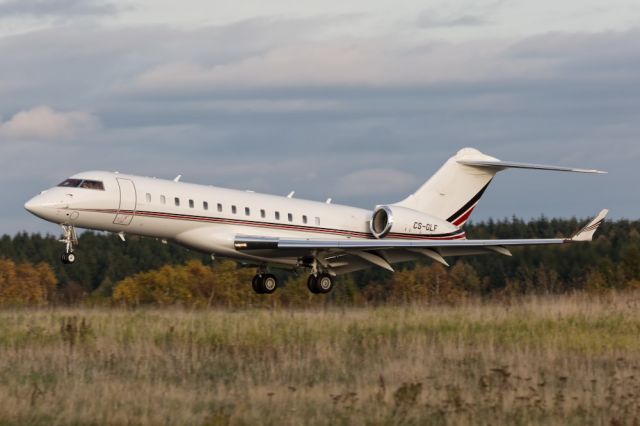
128, 201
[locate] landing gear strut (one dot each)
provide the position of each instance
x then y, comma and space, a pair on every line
69, 238
264, 283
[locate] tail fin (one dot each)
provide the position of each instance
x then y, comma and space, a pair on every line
455, 190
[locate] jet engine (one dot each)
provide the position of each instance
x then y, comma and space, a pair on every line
401, 220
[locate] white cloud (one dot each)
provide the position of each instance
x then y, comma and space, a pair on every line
348, 63
376, 182
43, 123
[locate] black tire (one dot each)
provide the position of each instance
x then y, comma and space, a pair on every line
268, 284
63, 258
324, 283
71, 258
256, 283
312, 284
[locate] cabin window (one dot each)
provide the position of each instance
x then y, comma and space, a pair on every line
277, 215
191, 203
304, 219
219, 207
234, 209
163, 199
317, 221
263, 213
177, 201
205, 205
290, 217
92, 184
247, 211
148, 197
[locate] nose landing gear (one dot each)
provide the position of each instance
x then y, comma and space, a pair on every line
69, 238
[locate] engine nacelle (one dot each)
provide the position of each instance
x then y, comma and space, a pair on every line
400, 220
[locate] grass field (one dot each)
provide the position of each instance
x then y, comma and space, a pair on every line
569, 360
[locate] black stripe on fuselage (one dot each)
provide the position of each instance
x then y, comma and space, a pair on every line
467, 206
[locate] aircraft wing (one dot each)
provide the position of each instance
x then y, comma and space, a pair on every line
248, 243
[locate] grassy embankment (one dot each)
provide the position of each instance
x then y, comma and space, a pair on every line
548, 360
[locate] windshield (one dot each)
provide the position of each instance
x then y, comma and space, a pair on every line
71, 183
80, 183
92, 184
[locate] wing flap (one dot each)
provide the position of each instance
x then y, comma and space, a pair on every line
248, 243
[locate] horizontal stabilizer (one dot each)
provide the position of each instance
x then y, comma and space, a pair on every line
586, 233
501, 165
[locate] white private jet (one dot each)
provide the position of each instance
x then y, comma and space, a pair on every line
264, 230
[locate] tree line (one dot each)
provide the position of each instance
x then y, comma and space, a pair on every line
144, 271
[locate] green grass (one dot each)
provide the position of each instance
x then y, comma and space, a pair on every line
569, 360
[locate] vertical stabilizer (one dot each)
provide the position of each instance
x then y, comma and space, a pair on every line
454, 191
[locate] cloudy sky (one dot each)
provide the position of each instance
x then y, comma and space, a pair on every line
360, 101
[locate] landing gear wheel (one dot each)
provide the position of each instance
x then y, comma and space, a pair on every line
324, 283
256, 283
312, 284
269, 284
264, 284
68, 258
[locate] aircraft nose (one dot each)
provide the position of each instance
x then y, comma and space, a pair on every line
42, 204
34, 205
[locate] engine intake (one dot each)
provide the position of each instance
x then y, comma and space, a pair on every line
381, 222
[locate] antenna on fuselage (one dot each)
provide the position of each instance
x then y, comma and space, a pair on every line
177, 179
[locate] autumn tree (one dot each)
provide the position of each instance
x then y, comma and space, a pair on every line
25, 284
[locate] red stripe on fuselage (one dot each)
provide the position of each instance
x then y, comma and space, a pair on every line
331, 231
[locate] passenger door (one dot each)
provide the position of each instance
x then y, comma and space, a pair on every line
128, 201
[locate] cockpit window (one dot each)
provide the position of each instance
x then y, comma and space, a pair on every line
92, 184
71, 183
79, 183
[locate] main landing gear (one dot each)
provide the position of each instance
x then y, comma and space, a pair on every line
264, 283
268, 283
69, 238
320, 283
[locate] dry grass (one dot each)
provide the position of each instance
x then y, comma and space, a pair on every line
569, 360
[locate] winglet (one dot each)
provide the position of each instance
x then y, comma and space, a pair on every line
586, 233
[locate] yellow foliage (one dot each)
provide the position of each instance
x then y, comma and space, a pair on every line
25, 283
192, 284
430, 283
